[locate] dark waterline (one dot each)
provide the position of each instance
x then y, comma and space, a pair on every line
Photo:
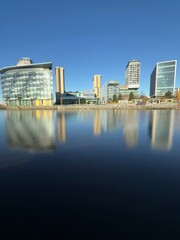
91, 174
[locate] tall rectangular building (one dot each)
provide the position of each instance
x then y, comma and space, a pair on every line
60, 88
133, 74
97, 85
163, 78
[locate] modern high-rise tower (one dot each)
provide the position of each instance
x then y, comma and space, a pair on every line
163, 78
133, 74
60, 80
97, 85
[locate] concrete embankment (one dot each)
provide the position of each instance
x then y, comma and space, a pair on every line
81, 107
3, 107
118, 107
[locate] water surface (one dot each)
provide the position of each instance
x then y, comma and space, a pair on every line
91, 174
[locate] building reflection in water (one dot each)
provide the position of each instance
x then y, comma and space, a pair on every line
61, 127
32, 130
161, 129
131, 127
106, 121
112, 120
176, 124
97, 123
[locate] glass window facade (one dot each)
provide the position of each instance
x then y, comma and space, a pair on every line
112, 88
23, 86
163, 79
126, 92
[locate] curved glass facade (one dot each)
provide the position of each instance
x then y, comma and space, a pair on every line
27, 85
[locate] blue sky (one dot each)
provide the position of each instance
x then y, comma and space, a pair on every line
89, 37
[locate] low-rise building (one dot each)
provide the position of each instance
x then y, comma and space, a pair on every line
125, 91
112, 88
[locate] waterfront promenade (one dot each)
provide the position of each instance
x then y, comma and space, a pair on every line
81, 107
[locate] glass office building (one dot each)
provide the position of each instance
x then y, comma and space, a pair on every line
163, 78
125, 91
27, 84
112, 88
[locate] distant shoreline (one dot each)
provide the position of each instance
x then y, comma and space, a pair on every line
82, 107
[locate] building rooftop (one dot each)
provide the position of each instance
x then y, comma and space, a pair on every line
36, 65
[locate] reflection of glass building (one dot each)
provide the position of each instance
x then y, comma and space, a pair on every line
33, 130
113, 120
162, 129
27, 83
131, 128
163, 78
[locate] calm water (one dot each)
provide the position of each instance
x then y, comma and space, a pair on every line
91, 174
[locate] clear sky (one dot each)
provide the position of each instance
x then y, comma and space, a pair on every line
89, 37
